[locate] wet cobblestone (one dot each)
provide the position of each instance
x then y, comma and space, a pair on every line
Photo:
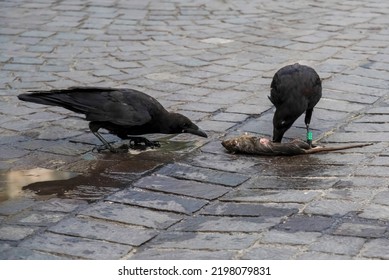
103, 230
212, 61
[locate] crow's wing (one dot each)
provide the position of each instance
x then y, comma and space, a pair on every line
125, 107
294, 82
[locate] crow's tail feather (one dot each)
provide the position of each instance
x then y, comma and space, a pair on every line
67, 98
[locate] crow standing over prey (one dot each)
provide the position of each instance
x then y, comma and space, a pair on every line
123, 112
295, 89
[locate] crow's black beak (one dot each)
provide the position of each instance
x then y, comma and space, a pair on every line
197, 132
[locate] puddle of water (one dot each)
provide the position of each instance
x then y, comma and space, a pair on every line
180, 147
93, 176
86, 187
12, 182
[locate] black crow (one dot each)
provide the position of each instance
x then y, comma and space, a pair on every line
123, 112
295, 89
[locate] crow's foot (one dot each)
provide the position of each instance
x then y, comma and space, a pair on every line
140, 143
119, 150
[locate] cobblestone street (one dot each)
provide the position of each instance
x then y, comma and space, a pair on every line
212, 61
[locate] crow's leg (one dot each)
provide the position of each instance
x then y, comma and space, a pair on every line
136, 141
308, 116
105, 143
94, 127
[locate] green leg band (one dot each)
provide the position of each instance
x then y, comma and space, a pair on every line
309, 136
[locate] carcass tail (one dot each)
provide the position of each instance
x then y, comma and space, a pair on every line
319, 149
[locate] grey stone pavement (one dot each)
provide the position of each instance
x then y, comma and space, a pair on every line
212, 61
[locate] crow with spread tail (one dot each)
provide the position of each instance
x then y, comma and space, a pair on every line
123, 112
295, 89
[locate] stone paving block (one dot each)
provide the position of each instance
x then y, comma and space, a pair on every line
199, 107
12, 153
56, 133
82, 77
182, 187
374, 114
41, 49
14, 206
69, 36
37, 33
332, 207
312, 255
183, 171
375, 211
307, 223
340, 158
235, 78
330, 117
203, 241
347, 87
15, 232
361, 230
376, 110
27, 254
352, 97
381, 160
301, 170
185, 98
131, 215
230, 117
280, 183
266, 252
226, 162
365, 81
4, 246
218, 85
224, 98
194, 116
361, 182
43, 116
259, 195
104, 230
376, 248
226, 224
76, 247
218, 126
382, 198
248, 109
338, 245
339, 105
246, 210
28, 60
158, 201
59, 205
213, 147
36, 218
67, 148
370, 73
349, 194
182, 254
376, 171
297, 238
